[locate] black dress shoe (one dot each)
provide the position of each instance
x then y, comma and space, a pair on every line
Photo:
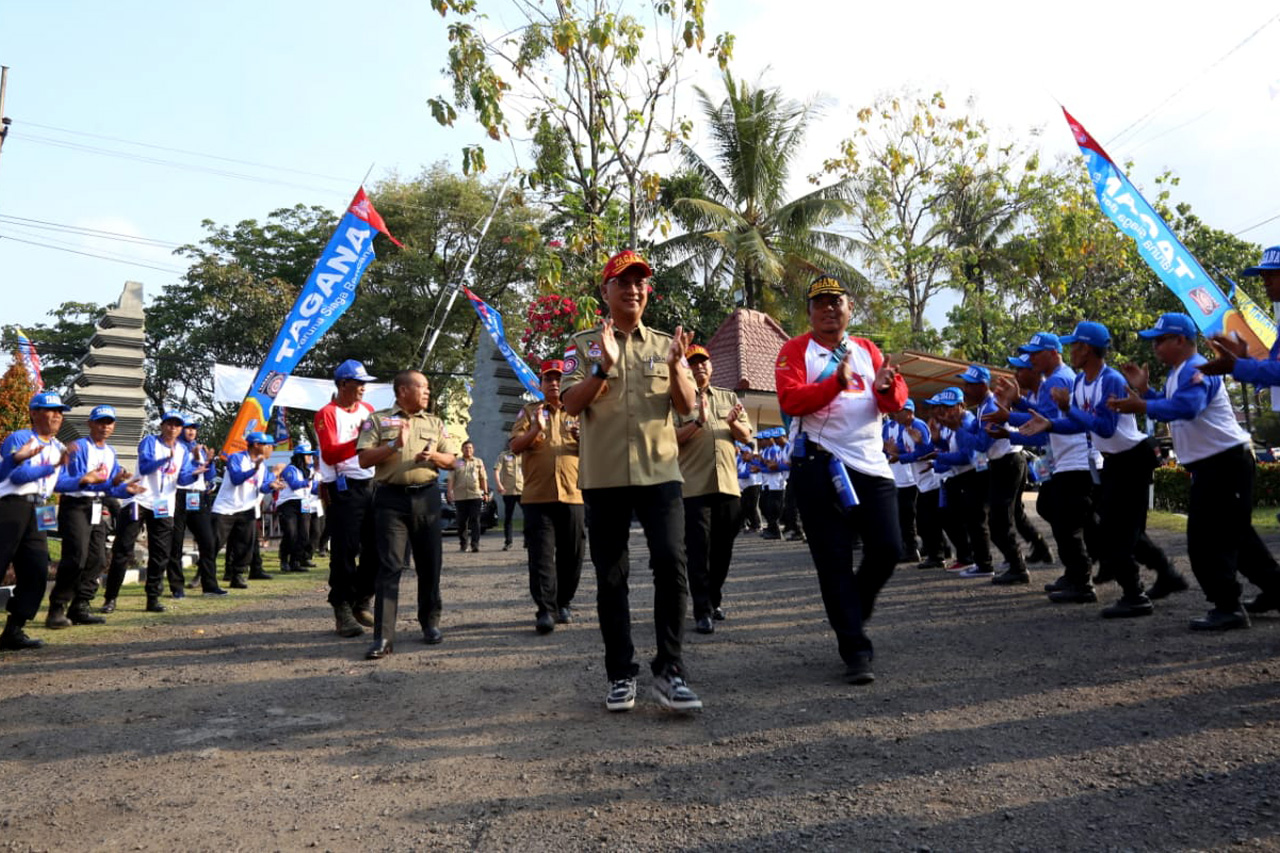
238, 583
16, 640
1129, 606
1167, 585
379, 650
154, 606
1221, 620
432, 636
217, 590
704, 625
564, 615
506, 547
1262, 603
1072, 594
1011, 577
1061, 583
1041, 556
179, 593
544, 624
859, 672
108, 606
718, 614
475, 549
82, 616
259, 576
57, 618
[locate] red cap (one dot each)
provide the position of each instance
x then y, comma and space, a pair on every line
692, 351
551, 365
621, 261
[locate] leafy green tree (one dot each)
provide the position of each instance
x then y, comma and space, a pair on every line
62, 343
745, 236
15, 396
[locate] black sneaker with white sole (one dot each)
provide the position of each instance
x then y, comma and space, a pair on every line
622, 695
670, 690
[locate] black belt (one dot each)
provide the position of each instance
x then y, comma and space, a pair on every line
416, 487
81, 499
31, 499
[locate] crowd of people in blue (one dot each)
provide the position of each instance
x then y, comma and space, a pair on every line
632, 427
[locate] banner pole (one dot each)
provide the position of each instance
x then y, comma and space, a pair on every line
455, 287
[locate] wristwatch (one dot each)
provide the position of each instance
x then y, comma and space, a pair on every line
599, 372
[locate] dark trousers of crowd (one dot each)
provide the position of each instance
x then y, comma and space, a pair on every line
406, 521
1122, 516
353, 554
1066, 502
295, 536
1006, 477
848, 596
751, 507
555, 535
929, 521
26, 546
771, 501
199, 523
238, 534
1221, 540
468, 522
130, 521
711, 524
509, 504
908, 498
660, 509
84, 552
964, 516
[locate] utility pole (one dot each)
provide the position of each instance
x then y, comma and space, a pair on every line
4, 119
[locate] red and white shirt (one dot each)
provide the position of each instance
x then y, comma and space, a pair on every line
337, 431
845, 422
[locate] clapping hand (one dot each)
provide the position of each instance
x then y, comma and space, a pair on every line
1038, 423
1062, 397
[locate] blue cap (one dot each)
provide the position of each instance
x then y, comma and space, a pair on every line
1172, 324
1270, 261
102, 413
303, 447
910, 405
352, 369
1019, 361
1040, 342
975, 373
1094, 334
173, 416
952, 396
259, 438
48, 400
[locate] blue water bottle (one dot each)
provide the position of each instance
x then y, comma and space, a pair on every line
845, 494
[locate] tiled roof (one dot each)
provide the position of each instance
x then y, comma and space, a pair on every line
744, 350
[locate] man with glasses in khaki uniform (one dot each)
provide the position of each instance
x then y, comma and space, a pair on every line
408, 448
624, 380
712, 499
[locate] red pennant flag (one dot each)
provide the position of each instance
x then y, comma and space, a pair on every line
363, 208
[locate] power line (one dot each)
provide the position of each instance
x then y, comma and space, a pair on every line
171, 270
186, 151
1258, 224
20, 221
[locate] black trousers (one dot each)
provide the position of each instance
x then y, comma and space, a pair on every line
26, 546
929, 523
353, 552
1005, 478
1021, 522
468, 520
556, 538
1122, 517
406, 521
295, 534
848, 596
790, 515
660, 509
238, 533
199, 523
509, 503
1220, 535
84, 552
1066, 502
711, 524
908, 496
771, 501
967, 495
751, 507
129, 523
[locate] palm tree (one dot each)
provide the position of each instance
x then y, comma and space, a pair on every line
739, 225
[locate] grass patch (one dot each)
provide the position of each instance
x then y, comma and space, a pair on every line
1264, 520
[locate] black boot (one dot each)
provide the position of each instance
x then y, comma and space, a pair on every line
57, 617
15, 639
79, 615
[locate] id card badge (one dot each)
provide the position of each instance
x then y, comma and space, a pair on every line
341, 482
980, 461
160, 509
95, 513
1093, 469
305, 506
193, 501
47, 517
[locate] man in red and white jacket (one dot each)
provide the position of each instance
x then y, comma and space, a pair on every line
348, 493
835, 388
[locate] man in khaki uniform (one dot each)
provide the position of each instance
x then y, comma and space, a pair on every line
408, 448
712, 499
508, 476
468, 490
546, 438
624, 379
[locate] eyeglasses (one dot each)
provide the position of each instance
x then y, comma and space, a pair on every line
641, 283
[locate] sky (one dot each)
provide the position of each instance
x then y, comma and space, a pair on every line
113, 105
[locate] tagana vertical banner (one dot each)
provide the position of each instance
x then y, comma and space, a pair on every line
328, 292
492, 322
1120, 200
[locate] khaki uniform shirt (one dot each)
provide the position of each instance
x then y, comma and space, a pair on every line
708, 460
383, 427
465, 479
627, 434
510, 474
550, 464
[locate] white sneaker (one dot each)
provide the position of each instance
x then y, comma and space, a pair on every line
671, 691
622, 695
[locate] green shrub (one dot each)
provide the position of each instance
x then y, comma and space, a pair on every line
1173, 485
